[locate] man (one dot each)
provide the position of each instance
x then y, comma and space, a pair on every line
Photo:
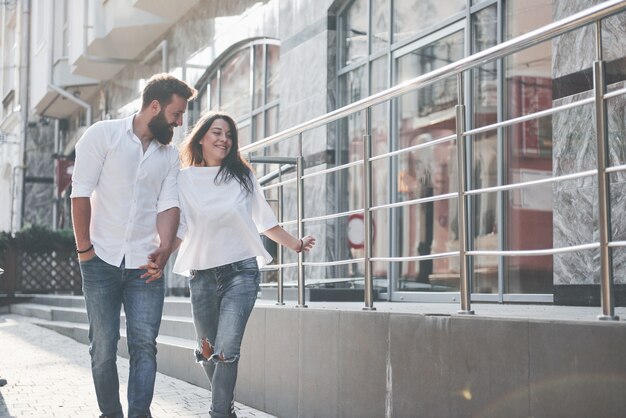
125, 214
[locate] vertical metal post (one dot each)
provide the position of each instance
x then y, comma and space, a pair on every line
604, 203
300, 216
279, 256
462, 204
368, 285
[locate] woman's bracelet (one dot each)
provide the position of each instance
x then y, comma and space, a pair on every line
84, 251
301, 246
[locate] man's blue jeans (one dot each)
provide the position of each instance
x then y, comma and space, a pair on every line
106, 289
221, 301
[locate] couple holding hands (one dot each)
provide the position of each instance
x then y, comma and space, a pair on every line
133, 205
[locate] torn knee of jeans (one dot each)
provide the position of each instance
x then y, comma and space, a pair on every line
221, 358
205, 351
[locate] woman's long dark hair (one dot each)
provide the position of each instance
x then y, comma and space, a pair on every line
233, 166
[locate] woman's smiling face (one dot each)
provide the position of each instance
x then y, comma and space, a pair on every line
216, 143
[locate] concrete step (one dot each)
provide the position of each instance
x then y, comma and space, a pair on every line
67, 301
172, 326
51, 313
175, 356
61, 309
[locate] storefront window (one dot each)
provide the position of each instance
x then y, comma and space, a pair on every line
385, 43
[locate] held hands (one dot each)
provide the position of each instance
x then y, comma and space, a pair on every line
305, 244
156, 262
153, 271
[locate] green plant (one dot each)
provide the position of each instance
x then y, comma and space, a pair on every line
39, 239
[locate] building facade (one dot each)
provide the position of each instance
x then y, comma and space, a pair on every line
275, 64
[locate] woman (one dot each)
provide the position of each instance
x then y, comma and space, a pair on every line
223, 211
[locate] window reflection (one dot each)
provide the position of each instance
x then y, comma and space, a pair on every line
354, 32
235, 84
414, 16
273, 56
246, 86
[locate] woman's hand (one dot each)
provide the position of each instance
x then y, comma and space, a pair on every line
153, 271
305, 244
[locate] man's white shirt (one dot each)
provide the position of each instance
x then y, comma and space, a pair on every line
128, 188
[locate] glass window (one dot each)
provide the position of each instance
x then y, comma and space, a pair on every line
259, 75
485, 77
214, 102
539, 78
417, 109
235, 84
245, 85
273, 56
354, 33
380, 25
420, 117
414, 16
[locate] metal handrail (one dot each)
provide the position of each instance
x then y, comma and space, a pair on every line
592, 15
517, 44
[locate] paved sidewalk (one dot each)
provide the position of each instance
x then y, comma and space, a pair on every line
48, 375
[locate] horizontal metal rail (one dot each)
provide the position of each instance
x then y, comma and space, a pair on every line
421, 200
278, 266
524, 253
314, 174
615, 93
592, 15
333, 169
417, 257
616, 168
532, 183
530, 116
432, 143
279, 184
501, 50
333, 263
332, 215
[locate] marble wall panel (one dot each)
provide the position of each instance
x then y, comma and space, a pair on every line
575, 212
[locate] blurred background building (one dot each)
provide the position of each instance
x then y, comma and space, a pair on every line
274, 64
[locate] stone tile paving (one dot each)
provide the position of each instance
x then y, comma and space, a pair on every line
48, 375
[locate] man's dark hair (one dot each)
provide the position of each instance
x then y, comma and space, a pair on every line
162, 87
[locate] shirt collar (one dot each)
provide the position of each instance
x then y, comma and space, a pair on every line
129, 123
129, 128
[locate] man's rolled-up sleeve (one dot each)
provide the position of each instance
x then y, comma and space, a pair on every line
168, 197
90, 156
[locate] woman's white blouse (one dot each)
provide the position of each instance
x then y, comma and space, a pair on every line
220, 223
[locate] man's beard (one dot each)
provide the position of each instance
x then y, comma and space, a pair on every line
161, 129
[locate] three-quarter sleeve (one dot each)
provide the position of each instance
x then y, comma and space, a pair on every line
262, 213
